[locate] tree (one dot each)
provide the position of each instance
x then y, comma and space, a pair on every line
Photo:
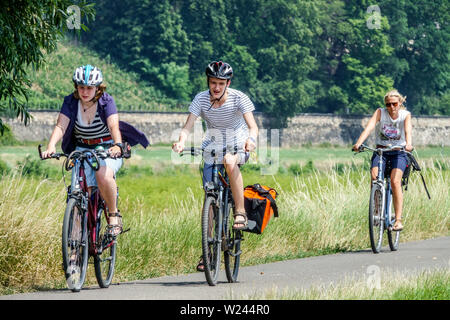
29, 30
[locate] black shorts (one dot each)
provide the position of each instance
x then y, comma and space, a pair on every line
395, 160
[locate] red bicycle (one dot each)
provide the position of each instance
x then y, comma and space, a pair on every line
84, 231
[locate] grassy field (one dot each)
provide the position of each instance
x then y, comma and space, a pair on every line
427, 285
323, 205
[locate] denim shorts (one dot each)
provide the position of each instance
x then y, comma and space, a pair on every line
113, 164
395, 160
207, 167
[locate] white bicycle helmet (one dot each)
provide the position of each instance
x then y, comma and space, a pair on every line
87, 76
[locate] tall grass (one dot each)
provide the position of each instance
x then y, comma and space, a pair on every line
320, 212
426, 285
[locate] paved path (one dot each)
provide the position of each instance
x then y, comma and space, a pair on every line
292, 274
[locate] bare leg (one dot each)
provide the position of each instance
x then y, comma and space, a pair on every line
396, 183
237, 185
108, 189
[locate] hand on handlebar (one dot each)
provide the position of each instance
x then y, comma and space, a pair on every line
115, 151
177, 147
249, 145
356, 147
49, 152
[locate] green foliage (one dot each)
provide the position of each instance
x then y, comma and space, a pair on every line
290, 56
27, 30
4, 169
54, 81
7, 138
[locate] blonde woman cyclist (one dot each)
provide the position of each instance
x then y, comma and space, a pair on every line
393, 128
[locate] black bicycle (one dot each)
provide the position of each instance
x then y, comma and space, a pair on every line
84, 231
217, 221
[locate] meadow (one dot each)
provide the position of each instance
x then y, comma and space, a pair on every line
323, 204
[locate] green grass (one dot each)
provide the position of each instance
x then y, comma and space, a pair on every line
427, 285
322, 211
54, 81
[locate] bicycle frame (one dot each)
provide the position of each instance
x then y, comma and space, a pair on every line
384, 183
91, 205
384, 220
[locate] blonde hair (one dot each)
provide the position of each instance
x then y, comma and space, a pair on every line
100, 90
395, 93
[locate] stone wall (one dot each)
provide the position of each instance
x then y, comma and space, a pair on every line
302, 129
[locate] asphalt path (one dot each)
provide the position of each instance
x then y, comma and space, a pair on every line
295, 274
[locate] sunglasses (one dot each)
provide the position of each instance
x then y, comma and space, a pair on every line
394, 104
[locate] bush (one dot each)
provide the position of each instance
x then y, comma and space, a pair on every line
4, 169
7, 138
33, 167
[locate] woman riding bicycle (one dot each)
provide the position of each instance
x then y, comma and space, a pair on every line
88, 118
229, 119
393, 128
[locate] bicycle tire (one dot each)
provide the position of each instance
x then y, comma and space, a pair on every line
232, 248
211, 227
105, 261
376, 214
393, 236
74, 244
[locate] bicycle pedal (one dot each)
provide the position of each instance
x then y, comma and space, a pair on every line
125, 231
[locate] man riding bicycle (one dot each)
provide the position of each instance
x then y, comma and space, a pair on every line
88, 118
228, 114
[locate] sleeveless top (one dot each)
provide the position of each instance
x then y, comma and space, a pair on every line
389, 131
97, 129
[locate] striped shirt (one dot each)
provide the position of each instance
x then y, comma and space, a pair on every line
97, 129
225, 125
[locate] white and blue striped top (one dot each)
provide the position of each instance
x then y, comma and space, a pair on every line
97, 129
226, 125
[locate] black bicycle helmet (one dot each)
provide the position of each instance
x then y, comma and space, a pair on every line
219, 70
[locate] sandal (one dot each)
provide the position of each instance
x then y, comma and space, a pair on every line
243, 223
115, 229
396, 227
201, 265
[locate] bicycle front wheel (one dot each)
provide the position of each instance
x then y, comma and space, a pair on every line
211, 233
105, 259
376, 223
232, 247
393, 236
74, 245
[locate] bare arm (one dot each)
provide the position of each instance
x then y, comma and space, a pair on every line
113, 125
250, 144
408, 133
179, 146
58, 132
369, 128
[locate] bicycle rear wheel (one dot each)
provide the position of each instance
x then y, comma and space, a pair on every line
105, 259
211, 233
376, 223
232, 247
74, 245
393, 236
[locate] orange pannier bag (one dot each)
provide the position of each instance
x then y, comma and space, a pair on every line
260, 206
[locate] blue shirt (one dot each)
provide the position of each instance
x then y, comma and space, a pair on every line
106, 107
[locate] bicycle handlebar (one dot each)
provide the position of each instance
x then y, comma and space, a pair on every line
382, 150
195, 151
102, 154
